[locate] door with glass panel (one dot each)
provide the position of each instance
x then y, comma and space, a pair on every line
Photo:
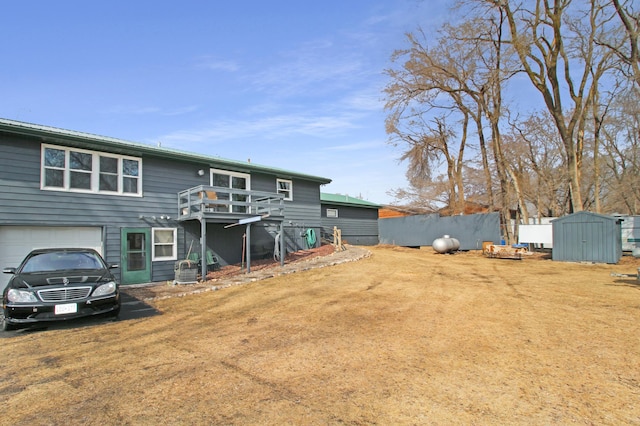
232, 180
135, 266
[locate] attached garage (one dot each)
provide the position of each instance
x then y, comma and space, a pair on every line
17, 241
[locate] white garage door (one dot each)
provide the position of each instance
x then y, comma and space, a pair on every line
17, 241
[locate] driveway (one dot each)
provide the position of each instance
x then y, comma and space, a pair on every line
132, 308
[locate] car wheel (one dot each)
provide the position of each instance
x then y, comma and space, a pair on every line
116, 314
6, 326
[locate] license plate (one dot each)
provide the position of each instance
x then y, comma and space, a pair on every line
67, 308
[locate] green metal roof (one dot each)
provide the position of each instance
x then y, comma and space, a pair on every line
56, 135
347, 200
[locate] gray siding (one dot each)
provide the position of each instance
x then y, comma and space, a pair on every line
422, 230
22, 202
302, 213
304, 209
587, 237
358, 225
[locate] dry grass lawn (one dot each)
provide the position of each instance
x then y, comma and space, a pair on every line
401, 337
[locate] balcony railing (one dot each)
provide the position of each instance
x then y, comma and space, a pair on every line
209, 201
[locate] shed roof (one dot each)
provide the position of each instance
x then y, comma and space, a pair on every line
345, 200
572, 216
57, 135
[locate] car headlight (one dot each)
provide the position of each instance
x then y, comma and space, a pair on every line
20, 296
105, 289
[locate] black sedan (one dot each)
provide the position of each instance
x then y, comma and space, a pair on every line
59, 284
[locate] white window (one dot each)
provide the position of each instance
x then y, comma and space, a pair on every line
78, 170
165, 243
332, 212
238, 185
285, 187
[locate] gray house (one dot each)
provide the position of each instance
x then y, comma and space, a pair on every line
587, 237
356, 218
143, 207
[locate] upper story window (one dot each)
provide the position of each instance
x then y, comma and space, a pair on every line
285, 187
78, 170
237, 187
332, 212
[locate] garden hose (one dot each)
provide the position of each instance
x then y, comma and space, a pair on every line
276, 247
310, 238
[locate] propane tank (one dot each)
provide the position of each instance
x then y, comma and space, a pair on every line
446, 244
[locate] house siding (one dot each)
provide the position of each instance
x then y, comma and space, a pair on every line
300, 214
22, 202
358, 225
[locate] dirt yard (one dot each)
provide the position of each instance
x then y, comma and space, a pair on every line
403, 336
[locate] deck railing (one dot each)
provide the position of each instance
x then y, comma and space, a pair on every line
211, 201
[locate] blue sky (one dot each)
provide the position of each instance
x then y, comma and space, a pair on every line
289, 84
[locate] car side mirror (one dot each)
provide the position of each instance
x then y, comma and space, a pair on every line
9, 271
114, 266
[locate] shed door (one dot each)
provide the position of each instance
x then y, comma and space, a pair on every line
585, 241
17, 241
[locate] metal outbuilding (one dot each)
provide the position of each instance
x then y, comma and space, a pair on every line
587, 237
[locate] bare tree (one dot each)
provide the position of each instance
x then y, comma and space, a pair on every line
621, 155
434, 145
419, 115
457, 75
629, 16
495, 75
562, 160
542, 164
543, 39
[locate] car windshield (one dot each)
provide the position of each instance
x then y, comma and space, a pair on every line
60, 261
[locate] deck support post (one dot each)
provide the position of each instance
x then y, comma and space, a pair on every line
282, 245
203, 248
248, 247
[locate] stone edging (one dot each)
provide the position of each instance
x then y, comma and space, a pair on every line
351, 254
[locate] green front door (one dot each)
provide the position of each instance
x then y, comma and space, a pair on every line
136, 255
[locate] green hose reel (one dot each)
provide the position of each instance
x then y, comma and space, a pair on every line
310, 238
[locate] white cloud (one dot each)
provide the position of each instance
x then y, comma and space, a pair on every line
365, 100
265, 128
314, 67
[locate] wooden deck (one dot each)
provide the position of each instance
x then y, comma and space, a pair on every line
216, 204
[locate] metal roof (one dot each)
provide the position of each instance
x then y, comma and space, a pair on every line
56, 135
346, 200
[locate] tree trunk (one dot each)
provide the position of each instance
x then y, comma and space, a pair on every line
485, 161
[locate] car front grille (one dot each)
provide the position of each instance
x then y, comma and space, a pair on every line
64, 294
